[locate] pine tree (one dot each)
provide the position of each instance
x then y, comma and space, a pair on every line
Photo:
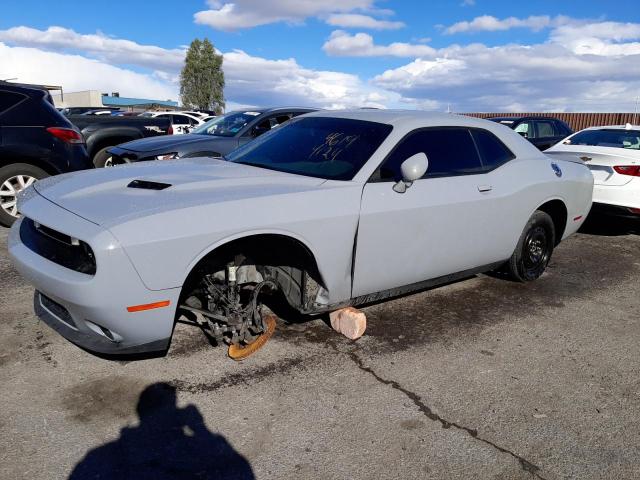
202, 78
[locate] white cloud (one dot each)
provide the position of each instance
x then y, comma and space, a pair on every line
343, 44
239, 14
286, 82
468, 3
591, 67
75, 72
31, 59
111, 50
354, 20
492, 24
602, 38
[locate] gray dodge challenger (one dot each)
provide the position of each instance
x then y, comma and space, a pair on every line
330, 210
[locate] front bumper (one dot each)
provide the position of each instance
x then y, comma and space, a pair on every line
93, 342
94, 306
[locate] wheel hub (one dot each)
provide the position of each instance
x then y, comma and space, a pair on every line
536, 247
230, 312
9, 192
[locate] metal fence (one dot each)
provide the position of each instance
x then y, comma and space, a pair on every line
577, 121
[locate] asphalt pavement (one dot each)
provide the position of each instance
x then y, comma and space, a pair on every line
483, 378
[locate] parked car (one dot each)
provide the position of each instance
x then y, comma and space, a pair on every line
200, 115
75, 110
102, 132
182, 122
543, 132
612, 154
35, 141
332, 209
216, 138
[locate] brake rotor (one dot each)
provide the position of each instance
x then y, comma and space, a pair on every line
240, 352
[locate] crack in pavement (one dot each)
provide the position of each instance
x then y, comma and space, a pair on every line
526, 465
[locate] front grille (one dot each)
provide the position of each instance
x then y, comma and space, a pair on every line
58, 247
57, 309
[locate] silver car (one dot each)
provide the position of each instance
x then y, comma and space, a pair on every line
332, 209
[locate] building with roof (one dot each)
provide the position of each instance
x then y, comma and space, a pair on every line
94, 98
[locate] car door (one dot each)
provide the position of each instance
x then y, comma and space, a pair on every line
437, 227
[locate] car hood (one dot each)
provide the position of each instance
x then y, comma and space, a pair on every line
104, 197
164, 142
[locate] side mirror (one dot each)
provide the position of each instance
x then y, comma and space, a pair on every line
412, 169
524, 134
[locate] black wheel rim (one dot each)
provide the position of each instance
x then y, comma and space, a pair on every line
536, 251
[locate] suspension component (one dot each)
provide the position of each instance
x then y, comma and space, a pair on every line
230, 311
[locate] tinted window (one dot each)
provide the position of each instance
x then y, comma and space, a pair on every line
607, 138
9, 99
493, 152
180, 120
562, 128
450, 151
545, 129
331, 148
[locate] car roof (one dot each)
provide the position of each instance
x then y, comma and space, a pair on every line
262, 110
614, 127
406, 118
19, 88
518, 118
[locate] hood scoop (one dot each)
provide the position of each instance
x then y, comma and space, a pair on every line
148, 185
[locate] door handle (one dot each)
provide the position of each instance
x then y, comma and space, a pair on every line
586, 159
485, 188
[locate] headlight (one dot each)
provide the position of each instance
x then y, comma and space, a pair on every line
167, 156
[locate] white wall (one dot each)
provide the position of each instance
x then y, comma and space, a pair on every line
86, 98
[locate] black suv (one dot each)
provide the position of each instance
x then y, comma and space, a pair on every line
36, 141
543, 132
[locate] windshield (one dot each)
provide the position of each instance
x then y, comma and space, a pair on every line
324, 147
607, 138
226, 125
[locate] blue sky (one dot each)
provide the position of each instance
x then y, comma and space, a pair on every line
410, 54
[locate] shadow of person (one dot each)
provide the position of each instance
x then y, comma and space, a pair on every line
169, 443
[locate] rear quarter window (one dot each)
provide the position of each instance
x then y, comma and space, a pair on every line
493, 152
9, 100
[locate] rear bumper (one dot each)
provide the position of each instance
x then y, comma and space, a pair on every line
619, 196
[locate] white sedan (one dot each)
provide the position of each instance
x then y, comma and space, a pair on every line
331, 209
613, 156
182, 122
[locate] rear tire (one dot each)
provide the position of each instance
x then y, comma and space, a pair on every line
534, 249
103, 158
13, 179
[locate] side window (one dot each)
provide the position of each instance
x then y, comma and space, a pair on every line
280, 119
180, 120
562, 129
525, 129
545, 129
9, 99
450, 151
493, 152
